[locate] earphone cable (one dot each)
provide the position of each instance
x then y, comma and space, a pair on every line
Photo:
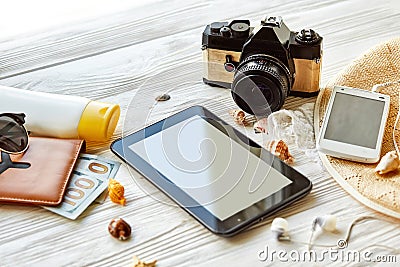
375, 88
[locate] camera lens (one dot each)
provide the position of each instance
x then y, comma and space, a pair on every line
261, 84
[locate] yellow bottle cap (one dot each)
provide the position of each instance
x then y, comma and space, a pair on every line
98, 121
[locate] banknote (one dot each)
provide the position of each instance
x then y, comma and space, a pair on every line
88, 181
99, 166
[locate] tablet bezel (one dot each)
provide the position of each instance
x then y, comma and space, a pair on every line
299, 187
350, 151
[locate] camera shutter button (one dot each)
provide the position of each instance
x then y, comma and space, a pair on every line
225, 31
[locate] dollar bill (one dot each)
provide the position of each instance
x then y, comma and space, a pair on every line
99, 166
88, 181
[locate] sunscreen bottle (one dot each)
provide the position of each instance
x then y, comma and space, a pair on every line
61, 116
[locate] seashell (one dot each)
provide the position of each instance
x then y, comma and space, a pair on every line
260, 126
139, 263
280, 149
163, 97
120, 229
116, 192
389, 162
238, 115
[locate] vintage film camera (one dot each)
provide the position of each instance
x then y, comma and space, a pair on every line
262, 65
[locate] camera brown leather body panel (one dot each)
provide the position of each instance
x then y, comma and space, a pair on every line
44, 182
308, 75
215, 60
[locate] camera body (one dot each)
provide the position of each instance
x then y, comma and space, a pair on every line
269, 57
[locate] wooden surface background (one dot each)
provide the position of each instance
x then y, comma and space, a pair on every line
127, 52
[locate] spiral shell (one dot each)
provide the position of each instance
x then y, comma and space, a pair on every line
389, 162
116, 192
238, 116
280, 149
120, 229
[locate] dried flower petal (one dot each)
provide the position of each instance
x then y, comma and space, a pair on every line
389, 162
116, 192
280, 149
138, 263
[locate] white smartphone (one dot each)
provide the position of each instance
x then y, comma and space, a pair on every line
354, 124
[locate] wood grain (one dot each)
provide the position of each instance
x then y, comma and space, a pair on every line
131, 56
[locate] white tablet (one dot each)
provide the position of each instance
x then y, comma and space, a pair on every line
354, 124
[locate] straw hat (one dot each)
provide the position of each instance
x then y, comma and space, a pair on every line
379, 65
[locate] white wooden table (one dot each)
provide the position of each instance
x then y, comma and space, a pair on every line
129, 51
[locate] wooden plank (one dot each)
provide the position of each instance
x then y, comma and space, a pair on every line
136, 25
90, 38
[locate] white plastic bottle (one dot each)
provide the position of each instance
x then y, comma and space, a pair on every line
61, 116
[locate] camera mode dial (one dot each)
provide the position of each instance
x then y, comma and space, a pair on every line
240, 29
307, 36
215, 27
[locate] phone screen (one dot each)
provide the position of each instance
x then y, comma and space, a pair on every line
355, 120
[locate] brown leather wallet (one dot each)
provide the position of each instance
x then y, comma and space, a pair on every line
44, 182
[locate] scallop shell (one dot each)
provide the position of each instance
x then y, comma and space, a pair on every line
116, 192
280, 149
389, 162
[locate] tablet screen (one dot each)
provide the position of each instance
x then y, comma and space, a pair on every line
355, 120
215, 168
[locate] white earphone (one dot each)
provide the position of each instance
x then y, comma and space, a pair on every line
327, 223
280, 228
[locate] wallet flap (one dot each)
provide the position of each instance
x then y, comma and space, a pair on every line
44, 182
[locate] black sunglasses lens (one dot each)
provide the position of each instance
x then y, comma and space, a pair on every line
13, 136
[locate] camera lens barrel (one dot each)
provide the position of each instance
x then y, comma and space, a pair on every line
261, 84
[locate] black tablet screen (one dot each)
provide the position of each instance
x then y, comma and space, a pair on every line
214, 168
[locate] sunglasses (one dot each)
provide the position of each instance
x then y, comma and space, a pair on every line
13, 140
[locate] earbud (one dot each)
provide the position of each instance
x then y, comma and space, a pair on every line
280, 228
327, 223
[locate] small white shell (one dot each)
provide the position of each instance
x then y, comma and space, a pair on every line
260, 126
389, 162
280, 149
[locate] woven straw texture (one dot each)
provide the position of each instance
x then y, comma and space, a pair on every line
379, 65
